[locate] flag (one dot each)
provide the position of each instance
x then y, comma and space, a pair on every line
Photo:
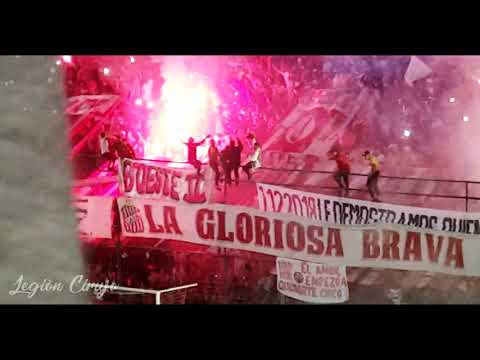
416, 70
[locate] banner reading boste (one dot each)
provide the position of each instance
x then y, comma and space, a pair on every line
152, 180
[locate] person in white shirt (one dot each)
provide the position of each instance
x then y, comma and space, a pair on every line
254, 161
103, 144
105, 151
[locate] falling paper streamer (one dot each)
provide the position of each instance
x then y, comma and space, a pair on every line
416, 70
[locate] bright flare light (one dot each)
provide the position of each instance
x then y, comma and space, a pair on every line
466, 118
106, 71
407, 133
139, 102
185, 109
452, 99
132, 59
67, 59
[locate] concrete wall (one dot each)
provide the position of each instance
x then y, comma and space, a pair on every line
37, 224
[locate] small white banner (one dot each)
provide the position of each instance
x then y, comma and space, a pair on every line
311, 282
94, 216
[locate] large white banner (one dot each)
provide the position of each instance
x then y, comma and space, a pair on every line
94, 216
346, 211
284, 235
153, 180
310, 282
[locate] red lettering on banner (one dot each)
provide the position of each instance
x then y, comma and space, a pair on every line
371, 247
153, 227
334, 242
326, 212
280, 202
262, 231
297, 198
433, 252
201, 224
150, 188
454, 253
313, 208
160, 179
272, 199
412, 250
194, 195
266, 232
307, 210
170, 220
307, 280
221, 228
390, 245
173, 191
278, 224
128, 179
287, 195
166, 183
305, 269
244, 228
296, 243
413, 247
265, 208
314, 234
140, 177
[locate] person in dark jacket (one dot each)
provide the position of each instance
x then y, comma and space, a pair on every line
192, 153
235, 158
225, 159
214, 161
342, 174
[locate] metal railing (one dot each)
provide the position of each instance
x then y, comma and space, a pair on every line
466, 197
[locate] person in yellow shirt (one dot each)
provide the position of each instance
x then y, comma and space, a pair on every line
372, 180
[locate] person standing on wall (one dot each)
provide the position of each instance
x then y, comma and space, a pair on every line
372, 180
343, 171
235, 159
106, 151
214, 161
225, 158
254, 160
124, 149
192, 153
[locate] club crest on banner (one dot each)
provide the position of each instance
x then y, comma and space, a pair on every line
132, 218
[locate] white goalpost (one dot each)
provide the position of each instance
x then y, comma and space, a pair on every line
157, 293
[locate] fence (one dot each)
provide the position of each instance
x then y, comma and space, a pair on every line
468, 186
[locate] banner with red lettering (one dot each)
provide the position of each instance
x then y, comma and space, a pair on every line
289, 236
153, 180
310, 282
94, 216
84, 104
346, 211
